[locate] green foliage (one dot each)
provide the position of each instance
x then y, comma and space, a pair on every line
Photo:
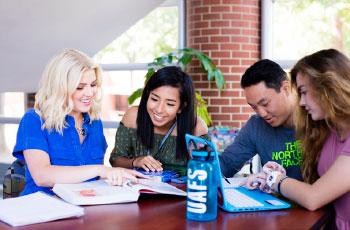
182, 58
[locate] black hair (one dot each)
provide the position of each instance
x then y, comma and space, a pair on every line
267, 71
186, 120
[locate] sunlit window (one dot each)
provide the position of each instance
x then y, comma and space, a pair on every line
304, 27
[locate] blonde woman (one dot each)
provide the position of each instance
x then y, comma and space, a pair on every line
61, 139
322, 121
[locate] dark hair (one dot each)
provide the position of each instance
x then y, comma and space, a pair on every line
267, 71
186, 120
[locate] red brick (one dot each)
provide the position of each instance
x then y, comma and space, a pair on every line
251, 2
250, 32
231, 31
195, 3
249, 47
229, 62
214, 101
221, 117
255, 25
232, 124
231, 109
210, 31
243, 24
219, 39
254, 40
220, 9
236, 85
194, 33
240, 54
195, 17
247, 110
211, 2
255, 55
235, 101
220, 23
250, 17
221, 54
241, 9
230, 47
211, 16
232, 2
247, 62
202, 24
201, 10
239, 39
207, 93
201, 40
225, 93
238, 69
209, 46
240, 117
232, 77
255, 10
213, 109
231, 16
201, 85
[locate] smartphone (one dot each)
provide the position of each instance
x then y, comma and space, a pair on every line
179, 180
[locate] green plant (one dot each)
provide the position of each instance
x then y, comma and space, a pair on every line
182, 58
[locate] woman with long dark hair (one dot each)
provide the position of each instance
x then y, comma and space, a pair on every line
153, 133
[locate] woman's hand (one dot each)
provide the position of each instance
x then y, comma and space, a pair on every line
116, 176
271, 166
148, 163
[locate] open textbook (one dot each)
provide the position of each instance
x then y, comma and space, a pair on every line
36, 208
101, 192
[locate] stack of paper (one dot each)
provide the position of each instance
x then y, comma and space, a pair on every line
36, 208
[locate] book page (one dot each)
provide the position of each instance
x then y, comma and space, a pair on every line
156, 186
95, 192
36, 208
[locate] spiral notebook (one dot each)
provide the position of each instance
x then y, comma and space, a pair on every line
232, 198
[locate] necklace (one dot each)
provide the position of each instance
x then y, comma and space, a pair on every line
81, 131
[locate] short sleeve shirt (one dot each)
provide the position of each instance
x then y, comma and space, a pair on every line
128, 145
332, 148
63, 150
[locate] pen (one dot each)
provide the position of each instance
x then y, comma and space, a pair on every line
226, 179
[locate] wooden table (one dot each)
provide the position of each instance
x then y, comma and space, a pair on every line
169, 212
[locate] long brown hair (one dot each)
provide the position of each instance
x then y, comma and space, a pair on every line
328, 72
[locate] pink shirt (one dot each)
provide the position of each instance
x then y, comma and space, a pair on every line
330, 151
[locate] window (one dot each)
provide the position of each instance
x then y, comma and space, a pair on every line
299, 28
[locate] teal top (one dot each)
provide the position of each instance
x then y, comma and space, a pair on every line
128, 145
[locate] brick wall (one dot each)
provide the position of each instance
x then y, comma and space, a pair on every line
228, 31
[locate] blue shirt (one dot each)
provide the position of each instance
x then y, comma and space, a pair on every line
271, 143
63, 150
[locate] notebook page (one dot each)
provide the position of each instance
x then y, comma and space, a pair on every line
36, 208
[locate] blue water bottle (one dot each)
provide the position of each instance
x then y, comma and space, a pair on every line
202, 186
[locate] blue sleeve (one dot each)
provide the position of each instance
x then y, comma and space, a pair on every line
30, 135
242, 149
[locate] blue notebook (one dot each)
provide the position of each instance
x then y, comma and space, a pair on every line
233, 198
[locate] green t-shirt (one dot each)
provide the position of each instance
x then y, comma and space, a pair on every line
128, 145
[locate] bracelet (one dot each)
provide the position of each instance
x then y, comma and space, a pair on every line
132, 162
279, 185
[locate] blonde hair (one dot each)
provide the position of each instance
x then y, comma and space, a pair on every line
328, 72
61, 77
